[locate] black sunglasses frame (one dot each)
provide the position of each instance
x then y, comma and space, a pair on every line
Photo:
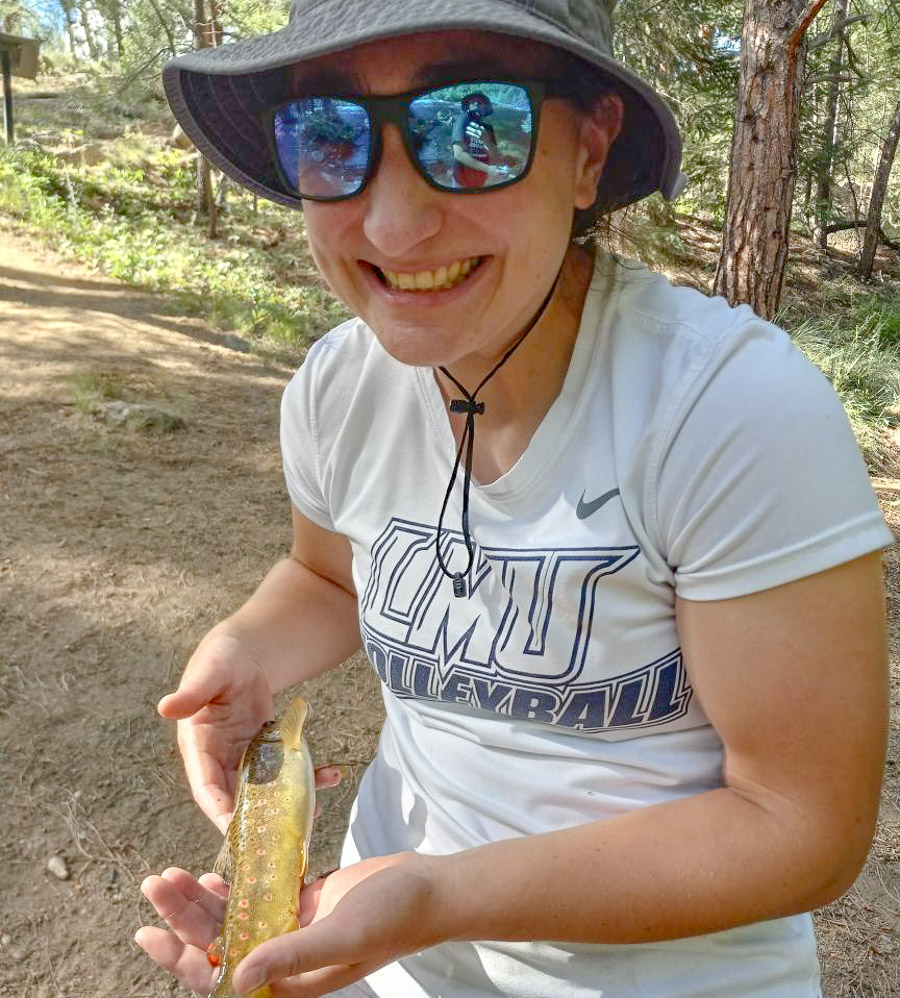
393, 109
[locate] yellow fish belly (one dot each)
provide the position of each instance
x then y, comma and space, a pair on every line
265, 853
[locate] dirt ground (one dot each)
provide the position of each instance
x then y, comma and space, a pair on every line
119, 549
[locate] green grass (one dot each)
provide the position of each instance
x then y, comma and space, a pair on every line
859, 352
133, 217
90, 386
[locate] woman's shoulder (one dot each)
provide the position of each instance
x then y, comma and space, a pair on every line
653, 302
686, 332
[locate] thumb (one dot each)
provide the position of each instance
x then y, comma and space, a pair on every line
192, 694
319, 945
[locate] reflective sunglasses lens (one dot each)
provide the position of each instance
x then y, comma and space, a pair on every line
473, 135
322, 145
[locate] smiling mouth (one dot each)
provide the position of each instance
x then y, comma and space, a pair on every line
442, 279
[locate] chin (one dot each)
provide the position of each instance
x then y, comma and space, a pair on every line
416, 347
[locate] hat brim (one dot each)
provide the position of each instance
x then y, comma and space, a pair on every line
217, 94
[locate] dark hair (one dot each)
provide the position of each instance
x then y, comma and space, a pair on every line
478, 98
585, 86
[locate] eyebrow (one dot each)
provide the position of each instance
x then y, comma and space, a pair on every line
461, 69
337, 82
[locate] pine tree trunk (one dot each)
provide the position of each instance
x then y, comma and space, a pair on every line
825, 164
117, 27
205, 37
69, 16
876, 201
215, 10
88, 30
763, 153
164, 24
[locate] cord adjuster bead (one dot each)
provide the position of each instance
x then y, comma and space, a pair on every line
467, 406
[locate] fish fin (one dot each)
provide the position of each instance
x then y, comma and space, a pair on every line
224, 863
292, 721
215, 952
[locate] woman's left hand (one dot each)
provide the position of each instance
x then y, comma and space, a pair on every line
350, 923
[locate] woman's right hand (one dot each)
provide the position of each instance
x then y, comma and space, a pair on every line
221, 702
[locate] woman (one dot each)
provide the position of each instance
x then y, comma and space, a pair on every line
610, 546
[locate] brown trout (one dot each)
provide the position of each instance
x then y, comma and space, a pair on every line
264, 855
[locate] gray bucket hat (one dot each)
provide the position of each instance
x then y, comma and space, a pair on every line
217, 94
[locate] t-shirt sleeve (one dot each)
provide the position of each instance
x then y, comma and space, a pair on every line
761, 481
300, 444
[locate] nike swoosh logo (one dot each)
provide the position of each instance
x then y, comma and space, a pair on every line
586, 509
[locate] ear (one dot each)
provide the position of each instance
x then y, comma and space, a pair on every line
600, 126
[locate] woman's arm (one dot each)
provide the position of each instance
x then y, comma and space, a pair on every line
300, 622
794, 681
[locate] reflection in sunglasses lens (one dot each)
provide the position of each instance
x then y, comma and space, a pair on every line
323, 145
464, 137
472, 135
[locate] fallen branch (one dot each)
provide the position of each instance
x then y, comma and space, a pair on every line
861, 223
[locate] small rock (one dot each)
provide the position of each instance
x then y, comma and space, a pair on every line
236, 343
5, 939
57, 866
142, 417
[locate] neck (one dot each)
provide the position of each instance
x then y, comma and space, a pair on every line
526, 385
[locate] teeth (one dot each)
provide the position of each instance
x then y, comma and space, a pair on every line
433, 280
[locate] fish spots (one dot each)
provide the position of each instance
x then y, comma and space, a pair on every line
267, 897
244, 903
243, 916
245, 936
260, 852
263, 925
251, 880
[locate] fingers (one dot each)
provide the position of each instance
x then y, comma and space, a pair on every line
191, 910
191, 695
187, 963
317, 954
330, 776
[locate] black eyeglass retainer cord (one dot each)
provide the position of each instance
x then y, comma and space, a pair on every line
472, 408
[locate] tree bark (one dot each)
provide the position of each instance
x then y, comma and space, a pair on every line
829, 127
88, 30
876, 201
205, 38
167, 30
69, 16
763, 153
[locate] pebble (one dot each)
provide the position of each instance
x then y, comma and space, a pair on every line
57, 866
5, 939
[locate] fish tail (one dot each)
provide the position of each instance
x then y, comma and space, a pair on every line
292, 721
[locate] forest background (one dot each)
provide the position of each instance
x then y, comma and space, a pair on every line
790, 113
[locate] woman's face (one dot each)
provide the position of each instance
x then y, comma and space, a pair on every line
512, 240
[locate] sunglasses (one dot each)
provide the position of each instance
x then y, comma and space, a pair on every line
464, 137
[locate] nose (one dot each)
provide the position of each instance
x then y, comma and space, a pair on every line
401, 210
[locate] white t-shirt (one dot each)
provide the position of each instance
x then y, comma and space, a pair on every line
692, 450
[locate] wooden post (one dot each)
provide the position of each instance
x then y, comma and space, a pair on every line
7, 94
